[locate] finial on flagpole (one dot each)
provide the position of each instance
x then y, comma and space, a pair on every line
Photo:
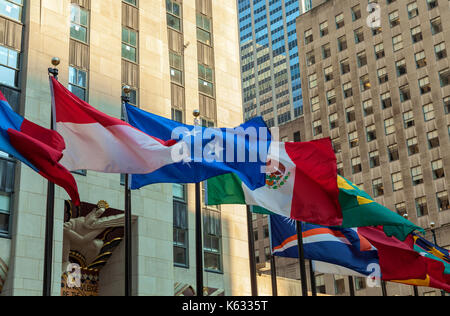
54, 71
196, 114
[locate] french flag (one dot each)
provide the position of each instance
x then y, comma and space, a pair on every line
98, 142
37, 147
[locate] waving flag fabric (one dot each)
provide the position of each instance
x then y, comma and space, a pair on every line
98, 142
360, 210
414, 261
37, 147
303, 186
343, 250
205, 152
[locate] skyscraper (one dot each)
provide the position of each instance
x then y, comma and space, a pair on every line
269, 59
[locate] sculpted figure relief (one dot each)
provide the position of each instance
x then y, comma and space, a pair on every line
80, 233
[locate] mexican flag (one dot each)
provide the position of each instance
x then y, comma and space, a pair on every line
301, 183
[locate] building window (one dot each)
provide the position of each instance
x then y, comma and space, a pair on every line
356, 12
129, 44
359, 35
436, 25
328, 73
424, 85
323, 28
205, 81
377, 187
257, 259
317, 127
255, 235
405, 95
204, 29
312, 79
393, 153
333, 119
374, 159
267, 253
339, 21
417, 176
437, 168
416, 34
180, 226
132, 2
397, 181
400, 208
308, 36
440, 51
394, 18
297, 137
428, 112
353, 139
400, 66
446, 101
336, 145
356, 165
360, 283
79, 18
78, 83
12, 9
382, 75
397, 42
320, 284
342, 43
413, 11
386, 101
266, 231
173, 15
444, 77
364, 83
315, 104
176, 67
9, 66
368, 107
326, 51
433, 139
177, 115
339, 284
361, 58
350, 114
331, 97
421, 61
345, 66
7, 168
310, 58
413, 147
408, 119
442, 201
389, 126
371, 132
348, 91
212, 240
379, 51
340, 168
421, 206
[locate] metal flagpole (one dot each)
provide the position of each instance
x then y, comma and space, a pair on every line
50, 212
198, 226
351, 285
251, 252
301, 258
312, 278
127, 227
273, 267
383, 288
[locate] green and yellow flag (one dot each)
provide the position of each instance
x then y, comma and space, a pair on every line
359, 210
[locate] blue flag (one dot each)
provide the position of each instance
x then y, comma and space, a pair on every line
344, 249
200, 153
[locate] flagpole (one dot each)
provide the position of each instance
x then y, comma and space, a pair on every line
273, 267
351, 285
50, 211
127, 227
198, 226
312, 278
415, 289
251, 252
384, 288
301, 258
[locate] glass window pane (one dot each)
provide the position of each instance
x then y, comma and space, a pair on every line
80, 93
4, 55
78, 32
8, 76
81, 80
129, 52
72, 75
4, 202
4, 223
173, 22
13, 58
203, 36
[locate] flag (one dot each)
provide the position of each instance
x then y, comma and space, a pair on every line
359, 210
98, 142
37, 147
205, 152
333, 250
414, 261
303, 186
